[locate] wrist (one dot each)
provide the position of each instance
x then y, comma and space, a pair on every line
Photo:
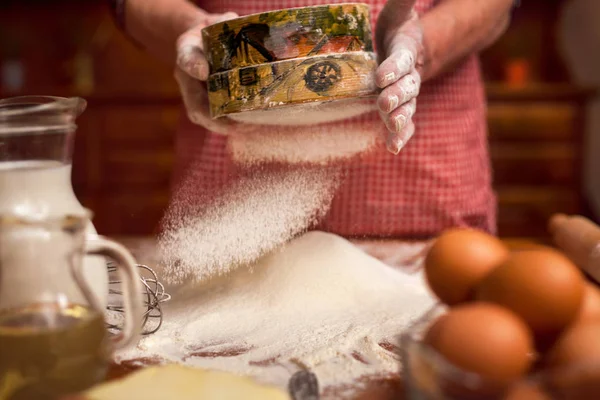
156, 24
386, 31
117, 9
199, 19
161, 17
427, 62
194, 18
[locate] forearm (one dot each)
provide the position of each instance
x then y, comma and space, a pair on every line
457, 28
156, 24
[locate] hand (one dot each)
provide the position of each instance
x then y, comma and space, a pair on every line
399, 39
192, 72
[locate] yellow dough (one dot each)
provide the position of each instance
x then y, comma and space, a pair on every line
183, 383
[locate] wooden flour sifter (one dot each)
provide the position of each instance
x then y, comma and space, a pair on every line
267, 67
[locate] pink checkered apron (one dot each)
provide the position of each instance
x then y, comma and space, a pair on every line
441, 179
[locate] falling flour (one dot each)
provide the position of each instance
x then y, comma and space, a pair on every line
252, 217
252, 295
308, 113
319, 302
320, 144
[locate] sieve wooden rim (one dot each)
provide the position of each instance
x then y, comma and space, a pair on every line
223, 42
228, 94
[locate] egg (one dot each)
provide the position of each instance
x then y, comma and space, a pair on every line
574, 384
484, 339
590, 309
579, 344
573, 363
543, 287
527, 391
458, 260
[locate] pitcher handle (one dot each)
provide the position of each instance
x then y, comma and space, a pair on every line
132, 286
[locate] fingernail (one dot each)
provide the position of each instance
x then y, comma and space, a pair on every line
400, 121
405, 61
183, 58
393, 102
389, 77
201, 71
394, 144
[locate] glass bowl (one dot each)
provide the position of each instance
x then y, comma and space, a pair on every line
429, 376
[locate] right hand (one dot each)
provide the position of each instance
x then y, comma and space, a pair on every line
192, 72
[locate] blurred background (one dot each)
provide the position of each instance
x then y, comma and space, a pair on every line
544, 111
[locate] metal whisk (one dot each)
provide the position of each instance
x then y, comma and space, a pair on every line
154, 295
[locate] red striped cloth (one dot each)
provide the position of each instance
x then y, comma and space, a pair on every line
441, 179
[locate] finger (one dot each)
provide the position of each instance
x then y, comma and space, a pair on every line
195, 99
400, 92
396, 121
397, 140
216, 18
399, 63
190, 51
190, 56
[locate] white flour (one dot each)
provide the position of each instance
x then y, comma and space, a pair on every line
254, 216
319, 301
308, 113
318, 144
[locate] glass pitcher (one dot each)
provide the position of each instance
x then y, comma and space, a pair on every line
36, 141
53, 338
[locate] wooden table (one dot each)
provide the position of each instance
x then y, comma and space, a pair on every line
371, 388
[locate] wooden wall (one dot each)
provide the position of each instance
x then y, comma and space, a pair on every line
124, 156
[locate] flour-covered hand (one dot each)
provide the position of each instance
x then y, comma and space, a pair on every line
192, 72
399, 39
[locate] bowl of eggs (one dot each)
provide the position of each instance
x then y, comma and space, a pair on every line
509, 325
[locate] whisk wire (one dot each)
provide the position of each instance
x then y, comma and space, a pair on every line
154, 295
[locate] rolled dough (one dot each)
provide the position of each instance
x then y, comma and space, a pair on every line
184, 383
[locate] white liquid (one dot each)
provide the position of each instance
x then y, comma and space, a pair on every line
40, 188
44, 189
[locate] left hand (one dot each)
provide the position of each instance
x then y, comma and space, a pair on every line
399, 39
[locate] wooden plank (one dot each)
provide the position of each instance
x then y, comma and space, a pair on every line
532, 121
130, 212
543, 164
544, 91
142, 169
525, 211
149, 126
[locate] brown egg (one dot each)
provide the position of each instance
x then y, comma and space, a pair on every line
543, 287
590, 309
574, 383
484, 339
573, 363
579, 344
527, 391
458, 260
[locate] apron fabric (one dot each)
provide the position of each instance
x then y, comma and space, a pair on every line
441, 179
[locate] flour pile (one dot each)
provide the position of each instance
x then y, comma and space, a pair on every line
252, 217
318, 302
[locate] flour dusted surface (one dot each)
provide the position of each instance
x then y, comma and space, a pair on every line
319, 301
